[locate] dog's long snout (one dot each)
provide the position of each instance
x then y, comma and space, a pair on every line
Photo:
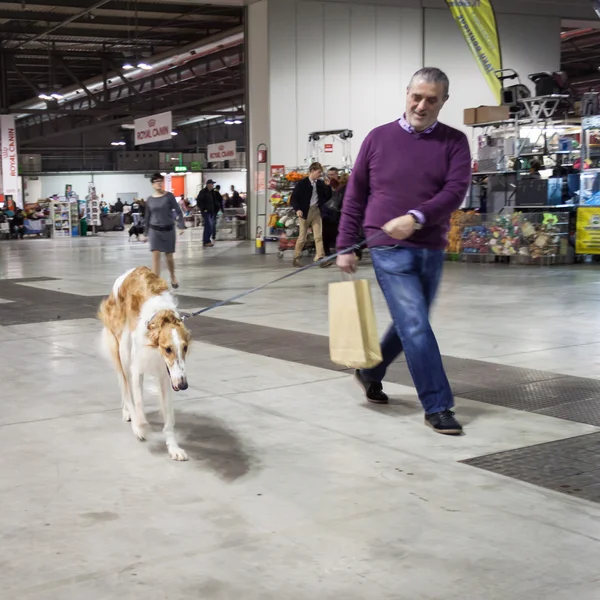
182, 385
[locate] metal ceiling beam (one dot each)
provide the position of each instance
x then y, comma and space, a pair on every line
65, 53
100, 34
68, 20
93, 98
100, 19
166, 8
118, 121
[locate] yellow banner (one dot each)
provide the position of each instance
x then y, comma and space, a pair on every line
477, 21
587, 238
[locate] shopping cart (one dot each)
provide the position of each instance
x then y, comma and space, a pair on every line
288, 242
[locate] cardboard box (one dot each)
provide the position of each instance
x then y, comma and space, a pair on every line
486, 114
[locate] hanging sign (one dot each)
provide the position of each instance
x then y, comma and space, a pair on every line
10, 162
221, 152
155, 128
328, 148
587, 236
477, 22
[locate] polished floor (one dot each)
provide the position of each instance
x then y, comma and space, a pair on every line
296, 488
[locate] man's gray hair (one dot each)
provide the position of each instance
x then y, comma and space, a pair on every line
431, 75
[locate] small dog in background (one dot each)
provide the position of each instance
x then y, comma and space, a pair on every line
144, 334
137, 230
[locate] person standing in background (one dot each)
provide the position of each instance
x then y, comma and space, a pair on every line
160, 228
208, 205
308, 198
219, 198
332, 209
410, 175
236, 200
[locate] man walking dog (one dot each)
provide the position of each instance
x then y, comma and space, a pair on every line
410, 175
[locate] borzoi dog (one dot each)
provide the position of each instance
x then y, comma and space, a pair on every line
145, 335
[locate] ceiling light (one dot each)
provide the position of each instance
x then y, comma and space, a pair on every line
44, 97
144, 66
237, 122
174, 133
57, 96
128, 66
119, 143
228, 122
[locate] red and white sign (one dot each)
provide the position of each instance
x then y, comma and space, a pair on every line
10, 161
328, 148
221, 152
155, 128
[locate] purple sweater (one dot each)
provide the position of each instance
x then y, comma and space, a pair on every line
397, 171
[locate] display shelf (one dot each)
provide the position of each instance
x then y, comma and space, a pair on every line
61, 218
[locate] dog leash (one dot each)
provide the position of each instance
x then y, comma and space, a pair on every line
324, 260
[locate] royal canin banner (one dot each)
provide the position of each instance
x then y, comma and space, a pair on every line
10, 161
221, 152
155, 128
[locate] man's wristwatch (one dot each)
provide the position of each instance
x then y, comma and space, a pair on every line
418, 224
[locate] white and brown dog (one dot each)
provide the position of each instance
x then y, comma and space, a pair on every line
145, 335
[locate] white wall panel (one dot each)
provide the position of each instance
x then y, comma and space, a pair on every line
388, 72
108, 184
363, 80
283, 77
337, 65
310, 69
411, 36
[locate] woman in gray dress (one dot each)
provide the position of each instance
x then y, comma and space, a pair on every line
160, 226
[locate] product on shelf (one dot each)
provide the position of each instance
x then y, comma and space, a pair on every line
505, 234
458, 221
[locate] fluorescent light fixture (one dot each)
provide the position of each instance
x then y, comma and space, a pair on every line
228, 122
237, 122
57, 96
174, 133
144, 66
128, 66
44, 97
119, 143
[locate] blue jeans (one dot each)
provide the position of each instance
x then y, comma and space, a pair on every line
409, 279
209, 228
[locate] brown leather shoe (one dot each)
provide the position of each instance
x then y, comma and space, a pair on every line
296, 263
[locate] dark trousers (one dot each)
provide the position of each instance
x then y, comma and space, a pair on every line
330, 233
209, 228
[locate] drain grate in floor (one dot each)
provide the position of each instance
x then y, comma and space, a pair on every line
540, 395
570, 466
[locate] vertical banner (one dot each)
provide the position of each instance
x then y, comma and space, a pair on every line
477, 22
587, 234
10, 163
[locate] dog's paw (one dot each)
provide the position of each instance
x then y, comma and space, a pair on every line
126, 416
177, 453
140, 431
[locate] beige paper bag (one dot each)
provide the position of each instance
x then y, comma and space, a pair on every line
353, 339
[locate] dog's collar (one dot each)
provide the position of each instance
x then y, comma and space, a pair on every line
154, 315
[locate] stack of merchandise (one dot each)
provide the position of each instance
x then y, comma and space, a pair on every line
475, 239
505, 234
458, 221
541, 239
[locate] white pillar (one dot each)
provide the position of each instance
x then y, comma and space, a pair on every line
257, 109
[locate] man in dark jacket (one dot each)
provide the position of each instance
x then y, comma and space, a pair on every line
208, 204
308, 198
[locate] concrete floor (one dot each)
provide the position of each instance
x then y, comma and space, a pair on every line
296, 489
